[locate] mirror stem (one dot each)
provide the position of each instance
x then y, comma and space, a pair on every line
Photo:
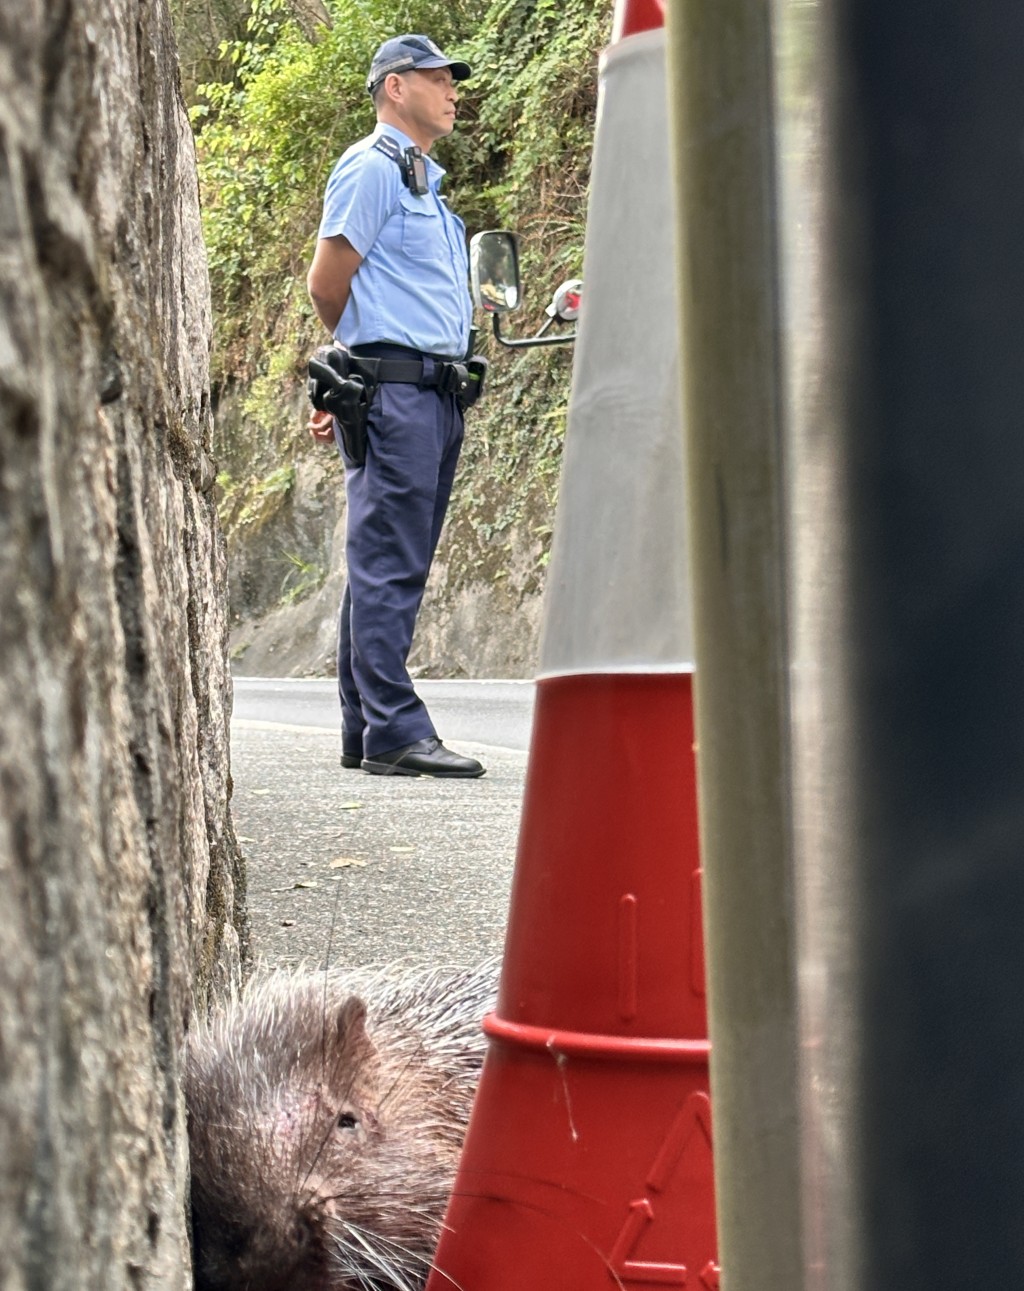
526, 342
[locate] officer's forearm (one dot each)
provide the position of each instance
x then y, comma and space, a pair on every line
329, 280
329, 309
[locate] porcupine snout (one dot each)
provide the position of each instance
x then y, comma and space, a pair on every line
280, 1255
262, 1222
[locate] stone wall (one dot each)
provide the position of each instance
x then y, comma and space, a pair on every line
481, 612
118, 868
468, 627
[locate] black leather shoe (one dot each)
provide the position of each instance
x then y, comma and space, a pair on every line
351, 761
425, 757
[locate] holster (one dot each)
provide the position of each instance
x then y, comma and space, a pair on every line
335, 387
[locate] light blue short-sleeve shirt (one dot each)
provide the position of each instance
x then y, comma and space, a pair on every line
412, 286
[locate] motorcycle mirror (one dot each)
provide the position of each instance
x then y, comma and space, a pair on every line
567, 300
494, 271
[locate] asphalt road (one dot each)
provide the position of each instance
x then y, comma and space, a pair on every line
348, 868
489, 712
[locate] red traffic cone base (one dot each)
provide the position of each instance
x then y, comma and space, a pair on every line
588, 1158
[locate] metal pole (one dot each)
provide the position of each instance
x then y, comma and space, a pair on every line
910, 644
902, 385
722, 110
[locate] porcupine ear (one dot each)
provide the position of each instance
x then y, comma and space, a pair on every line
352, 1034
357, 1054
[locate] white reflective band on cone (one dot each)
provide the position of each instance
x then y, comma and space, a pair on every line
617, 595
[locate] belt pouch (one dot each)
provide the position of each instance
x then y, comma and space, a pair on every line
472, 385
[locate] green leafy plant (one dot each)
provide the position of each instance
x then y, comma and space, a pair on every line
301, 578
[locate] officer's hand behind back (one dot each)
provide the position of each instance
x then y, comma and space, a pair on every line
321, 426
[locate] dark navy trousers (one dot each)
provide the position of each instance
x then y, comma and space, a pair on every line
396, 506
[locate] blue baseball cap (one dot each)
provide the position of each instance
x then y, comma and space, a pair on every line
407, 53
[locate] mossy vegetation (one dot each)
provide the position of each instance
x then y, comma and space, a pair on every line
286, 97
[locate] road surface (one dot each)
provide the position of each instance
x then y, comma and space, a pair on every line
354, 869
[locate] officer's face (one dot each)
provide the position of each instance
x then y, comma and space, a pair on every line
429, 99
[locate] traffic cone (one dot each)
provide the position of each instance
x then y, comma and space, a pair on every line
587, 1162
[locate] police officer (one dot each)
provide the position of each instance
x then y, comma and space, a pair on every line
389, 280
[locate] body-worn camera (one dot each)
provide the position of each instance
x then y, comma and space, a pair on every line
412, 165
414, 170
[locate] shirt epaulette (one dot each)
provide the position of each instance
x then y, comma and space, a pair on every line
388, 146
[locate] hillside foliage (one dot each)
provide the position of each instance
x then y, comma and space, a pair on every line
288, 97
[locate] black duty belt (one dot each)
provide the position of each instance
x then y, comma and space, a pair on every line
447, 377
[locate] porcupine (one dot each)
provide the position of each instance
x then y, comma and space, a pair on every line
326, 1115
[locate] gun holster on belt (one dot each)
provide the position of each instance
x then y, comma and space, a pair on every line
335, 386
